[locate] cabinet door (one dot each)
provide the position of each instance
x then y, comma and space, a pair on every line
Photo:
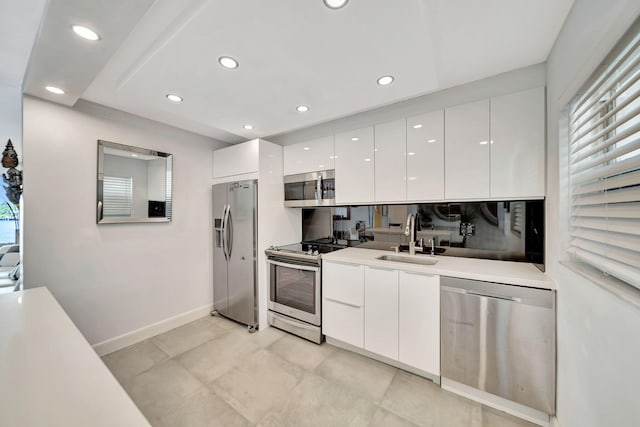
425, 156
236, 160
419, 321
381, 312
467, 151
391, 161
343, 302
517, 144
309, 156
354, 166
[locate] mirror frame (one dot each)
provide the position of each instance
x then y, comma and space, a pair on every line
100, 182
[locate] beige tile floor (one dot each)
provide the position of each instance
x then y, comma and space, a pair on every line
212, 372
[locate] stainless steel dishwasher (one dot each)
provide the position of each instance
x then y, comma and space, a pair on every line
500, 339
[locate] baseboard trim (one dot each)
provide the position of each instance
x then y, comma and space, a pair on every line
146, 332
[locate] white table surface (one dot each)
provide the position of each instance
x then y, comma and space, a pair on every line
509, 272
49, 374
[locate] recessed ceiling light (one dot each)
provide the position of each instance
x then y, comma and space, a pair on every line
410, 153
173, 98
385, 80
134, 155
306, 148
248, 127
228, 62
367, 159
355, 138
85, 33
431, 140
484, 142
335, 4
418, 126
302, 108
320, 166
55, 90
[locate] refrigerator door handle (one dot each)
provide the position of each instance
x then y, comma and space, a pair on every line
224, 231
230, 224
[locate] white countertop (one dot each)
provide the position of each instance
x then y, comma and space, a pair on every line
49, 374
509, 272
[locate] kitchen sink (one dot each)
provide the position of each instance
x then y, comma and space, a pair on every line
408, 259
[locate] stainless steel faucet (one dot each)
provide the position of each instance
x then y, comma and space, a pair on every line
433, 247
411, 231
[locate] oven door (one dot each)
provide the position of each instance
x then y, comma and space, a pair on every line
294, 290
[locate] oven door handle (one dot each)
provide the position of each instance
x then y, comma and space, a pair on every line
294, 265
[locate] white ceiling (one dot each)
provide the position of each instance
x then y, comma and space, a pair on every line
19, 23
291, 52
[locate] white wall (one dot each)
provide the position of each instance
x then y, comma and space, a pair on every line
598, 332
502, 84
114, 278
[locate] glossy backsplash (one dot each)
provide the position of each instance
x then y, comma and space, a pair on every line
505, 230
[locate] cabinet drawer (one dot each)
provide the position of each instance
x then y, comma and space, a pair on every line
343, 322
343, 283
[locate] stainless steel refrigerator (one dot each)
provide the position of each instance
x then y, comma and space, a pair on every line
235, 218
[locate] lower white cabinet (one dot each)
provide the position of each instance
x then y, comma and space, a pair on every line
381, 311
343, 302
419, 321
392, 313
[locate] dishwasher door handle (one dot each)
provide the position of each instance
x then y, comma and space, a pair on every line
480, 294
506, 298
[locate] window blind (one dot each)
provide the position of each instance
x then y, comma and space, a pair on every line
517, 217
117, 196
604, 168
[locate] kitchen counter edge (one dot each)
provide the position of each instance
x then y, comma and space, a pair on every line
508, 272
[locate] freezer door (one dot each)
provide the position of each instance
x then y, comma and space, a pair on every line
241, 248
220, 274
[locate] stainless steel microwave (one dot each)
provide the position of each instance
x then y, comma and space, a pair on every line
310, 189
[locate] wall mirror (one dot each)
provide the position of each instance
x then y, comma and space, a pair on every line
134, 184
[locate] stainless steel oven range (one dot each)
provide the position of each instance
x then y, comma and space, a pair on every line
295, 288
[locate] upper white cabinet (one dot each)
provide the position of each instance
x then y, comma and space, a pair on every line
419, 321
310, 156
425, 157
354, 164
381, 311
467, 151
517, 144
237, 159
391, 161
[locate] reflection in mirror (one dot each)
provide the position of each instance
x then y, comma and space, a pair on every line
134, 184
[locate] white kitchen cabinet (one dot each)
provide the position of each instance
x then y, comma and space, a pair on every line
467, 152
518, 144
390, 142
381, 312
237, 159
309, 156
419, 321
425, 157
354, 164
343, 302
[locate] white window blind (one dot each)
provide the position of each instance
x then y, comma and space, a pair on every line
517, 217
604, 170
117, 196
